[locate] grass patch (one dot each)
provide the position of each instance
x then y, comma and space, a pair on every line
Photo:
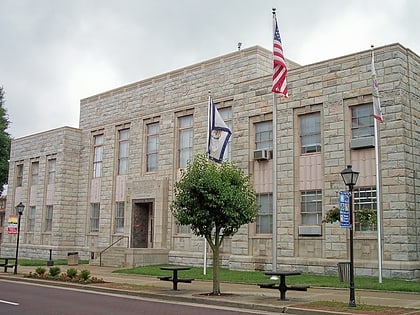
36, 262
254, 277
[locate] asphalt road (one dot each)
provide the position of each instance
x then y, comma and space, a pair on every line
35, 299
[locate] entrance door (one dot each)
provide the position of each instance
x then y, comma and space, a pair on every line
142, 232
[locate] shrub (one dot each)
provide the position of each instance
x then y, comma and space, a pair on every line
71, 273
40, 271
85, 274
54, 271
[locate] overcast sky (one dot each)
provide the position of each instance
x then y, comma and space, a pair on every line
55, 52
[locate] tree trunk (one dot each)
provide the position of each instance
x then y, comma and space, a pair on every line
216, 263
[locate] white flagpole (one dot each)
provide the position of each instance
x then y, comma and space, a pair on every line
274, 240
378, 194
208, 139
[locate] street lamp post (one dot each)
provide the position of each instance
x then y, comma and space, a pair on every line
350, 177
19, 209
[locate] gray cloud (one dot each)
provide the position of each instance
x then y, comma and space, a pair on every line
55, 53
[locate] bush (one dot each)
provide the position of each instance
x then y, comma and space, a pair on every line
71, 273
40, 271
54, 271
85, 274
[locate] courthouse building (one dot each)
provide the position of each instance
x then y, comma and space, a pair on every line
104, 189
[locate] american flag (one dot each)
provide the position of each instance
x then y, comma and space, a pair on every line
279, 64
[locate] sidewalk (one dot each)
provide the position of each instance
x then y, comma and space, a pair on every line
243, 296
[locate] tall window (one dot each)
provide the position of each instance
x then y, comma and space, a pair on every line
31, 219
152, 150
264, 135
226, 114
119, 217
98, 149
186, 135
48, 218
51, 171
265, 214
362, 124
123, 152
94, 217
310, 133
311, 207
34, 173
19, 175
365, 202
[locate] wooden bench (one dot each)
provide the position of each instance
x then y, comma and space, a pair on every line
6, 264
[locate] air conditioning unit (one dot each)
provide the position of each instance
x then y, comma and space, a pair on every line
262, 154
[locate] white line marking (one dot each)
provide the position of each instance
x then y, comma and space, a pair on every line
8, 302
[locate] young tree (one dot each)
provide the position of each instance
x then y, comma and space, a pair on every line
215, 200
4, 142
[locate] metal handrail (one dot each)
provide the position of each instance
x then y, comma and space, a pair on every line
109, 246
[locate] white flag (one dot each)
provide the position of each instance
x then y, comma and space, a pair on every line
218, 134
377, 111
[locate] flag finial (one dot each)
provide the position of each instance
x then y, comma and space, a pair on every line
274, 10
371, 46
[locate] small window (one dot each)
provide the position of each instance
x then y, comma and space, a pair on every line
31, 219
186, 136
98, 150
124, 150
264, 135
48, 218
152, 150
51, 171
34, 173
226, 114
265, 214
19, 175
310, 133
362, 124
119, 217
365, 201
94, 217
311, 207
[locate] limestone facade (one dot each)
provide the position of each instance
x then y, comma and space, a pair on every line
241, 83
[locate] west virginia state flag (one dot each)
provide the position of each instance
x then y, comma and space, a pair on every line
218, 134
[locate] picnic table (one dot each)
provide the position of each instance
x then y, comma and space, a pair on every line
6, 264
282, 287
175, 279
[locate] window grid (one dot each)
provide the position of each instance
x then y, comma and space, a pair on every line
51, 171
264, 135
362, 124
124, 150
186, 135
97, 155
119, 217
264, 223
48, 218
152, 147
310, 133
19, 175
94, 217
34, 173
311, 207
31, 218
364, 198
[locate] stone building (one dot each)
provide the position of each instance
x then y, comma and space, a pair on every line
104, 189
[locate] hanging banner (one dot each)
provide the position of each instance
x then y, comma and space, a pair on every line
12, 224
345, 209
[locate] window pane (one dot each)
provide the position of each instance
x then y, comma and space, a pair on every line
310, 133
311, 207
265, 214
264, 135
362, 123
